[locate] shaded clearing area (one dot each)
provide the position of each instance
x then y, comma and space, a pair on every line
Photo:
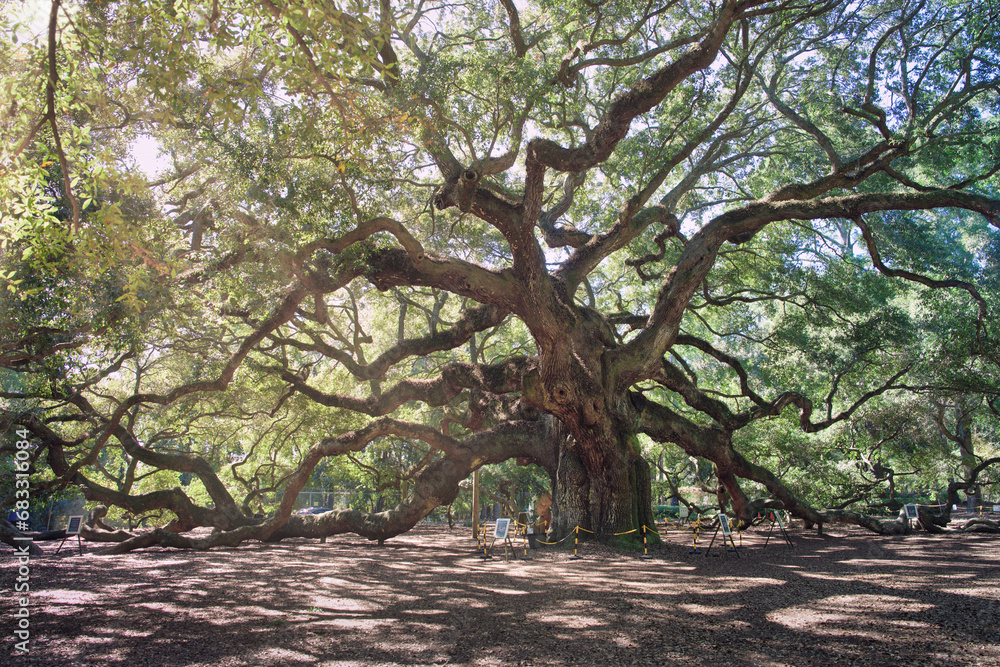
849, 598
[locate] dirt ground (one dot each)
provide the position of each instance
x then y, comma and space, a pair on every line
425, 598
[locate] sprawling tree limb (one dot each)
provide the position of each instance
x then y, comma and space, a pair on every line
226, 509
499, 378
633, 218
472, 321
637, 357
16, 539
873, 251
714, 444
392, 268
434, 485
640, 99
362, 232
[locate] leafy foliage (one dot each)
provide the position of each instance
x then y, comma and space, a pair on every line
387, 244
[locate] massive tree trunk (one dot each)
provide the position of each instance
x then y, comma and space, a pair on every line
605, 494
603, 484
570, 495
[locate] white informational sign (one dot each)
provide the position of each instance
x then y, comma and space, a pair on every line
724, 524
73, 527
682, 512
911, 512
996, 509
501, 529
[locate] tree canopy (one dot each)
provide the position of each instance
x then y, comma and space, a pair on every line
419, 238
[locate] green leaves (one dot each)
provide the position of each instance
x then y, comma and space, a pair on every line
285, 126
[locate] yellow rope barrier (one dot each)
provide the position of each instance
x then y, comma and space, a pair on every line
557, 542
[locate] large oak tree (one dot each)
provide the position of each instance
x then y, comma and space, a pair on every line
545, 231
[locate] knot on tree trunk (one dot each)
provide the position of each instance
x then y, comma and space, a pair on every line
458, 191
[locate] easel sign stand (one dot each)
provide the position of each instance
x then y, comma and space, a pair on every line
911, 513
727, 533
776, 519
501, 531
73, 528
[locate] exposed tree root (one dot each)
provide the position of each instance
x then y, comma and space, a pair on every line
981, 526
7, 534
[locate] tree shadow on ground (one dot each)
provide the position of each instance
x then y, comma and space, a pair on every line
426, 598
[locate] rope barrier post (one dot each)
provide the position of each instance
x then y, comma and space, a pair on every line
485, 556
576, 542
694, 533
524, 536
645, 545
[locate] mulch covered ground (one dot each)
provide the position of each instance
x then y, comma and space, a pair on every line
846, 598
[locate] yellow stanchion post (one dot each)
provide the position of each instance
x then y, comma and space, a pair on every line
694, 534
576, 543
485, 555
524, 537
645, 544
